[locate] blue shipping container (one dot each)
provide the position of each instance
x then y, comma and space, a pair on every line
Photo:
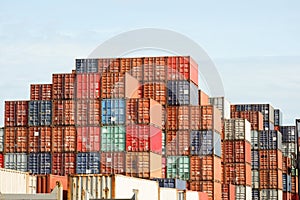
86, 65
277, 117
289, 183
205, 143
182, 93
113, 111
88, 163
39, 163
255, 194
171, 183
284, 182
40, 113
288, 133
270, 140
255, 159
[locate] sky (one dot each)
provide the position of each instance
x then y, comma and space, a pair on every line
255, 45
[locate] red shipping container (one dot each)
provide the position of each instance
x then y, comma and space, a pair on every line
156, 91
113, 163
177, 143
63, 86
137, 68
211, 188
238, 174
256, 118
228, 192
286, 164
126, 64
88, 139
1, 160
287, 196
46, 183
203, 98
237, 152
155, 69
178, 118
295, 196
270, 159
64, 139
63, 112
277, 128
270, 179
41, 92
163, 167
182, 68
205, 168
143, 138
39, 139
16, 113
15, 140
63, 163
211, 118
143, 111
195, 117
88, 86
88, 112
294, 184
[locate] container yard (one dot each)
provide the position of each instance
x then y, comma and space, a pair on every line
142, 128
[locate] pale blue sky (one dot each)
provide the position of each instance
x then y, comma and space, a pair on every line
255, 44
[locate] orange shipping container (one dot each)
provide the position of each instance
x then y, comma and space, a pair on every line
15, 139
39, 139
254, 117
294, 185
46, 183
211, 118
286, 164
63, 86
238, 174
177, 143
237, 152
212, 188
270, 179
88, 112
178, 118
64, 139
205, 168
228, 192
195, 117
203, 98
270, 159
63, 112
41, 92
155, 69
156, 91
109, 65
16, 113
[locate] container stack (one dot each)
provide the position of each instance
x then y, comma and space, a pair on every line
1, 147
277, 119
237, 157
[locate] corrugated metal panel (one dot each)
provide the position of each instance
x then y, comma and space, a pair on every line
39, 139
182, 93
16, 161
178, 167
270, 179
156, 91
87, 112
88, 163
270, 140
171, 183
88, 86
88, 139
238, 173
63, 86
270, 159
41, 92
211, 118
63, 164
113, 138
86, 65
269, 194
63, 112
178, 143
16, 140
40, 113
113, 111
64, 139
113, 163
39, 163
16, 113
237, 151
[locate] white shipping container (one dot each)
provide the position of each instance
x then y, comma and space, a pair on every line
289, 149
270, 194
1, 139
16, 161
237, 129
222, 104
243, 192
191, 195
168, 194
254, 140
255, 179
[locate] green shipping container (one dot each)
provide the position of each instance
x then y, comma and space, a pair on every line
113, 138
178, 167
294, 172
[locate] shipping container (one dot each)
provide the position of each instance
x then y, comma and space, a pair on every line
15, 139
195, 118
270, 159
86, 65
178, 118
254, 140
238, 173
270, 140
119, 85
87, 112
163, 167
112, 65
168, 193
237, 129
40, 113
41, 92
203, 98
16, 161
1, 160
211, 118
143, 111
205, 168
156, 91
288, 133
171, 183
182, 93
277, 117
143, 138
113, 111
88, 139
39, 163
125, 64
286, 164
182, 68
1, 140
270, 179
286, 183
243, 192
271, 194
46, 183
213, 189
222, 104
16, 113
289, 150
113, 138
63, 86
63, 164
255, 179
113, 163
294, 184
178, 167
64, 139
16, 182
177, 143
39, 139
155, 69
255, 194
205, 143
88, 163
237, 152
255, 118
63, 112
163, 143
255, 159
88, 86
143, 165
228, 192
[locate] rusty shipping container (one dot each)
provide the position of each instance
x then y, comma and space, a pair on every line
270, 159
143, 165
286, 164
238, 173
143, 138
294, 184
211, 118
16, 140
113, 163
46, 183
155, 69
178, 118
195, 117
205, 168
88, 86
256, 118
63, 86
228, 192
87, 112
270, 179
63, 163
237, 152
39, 139
212, 188
63, 112
156, 91
16, 113
41, 92
64, 139
88, 139
143, 111
178, 143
